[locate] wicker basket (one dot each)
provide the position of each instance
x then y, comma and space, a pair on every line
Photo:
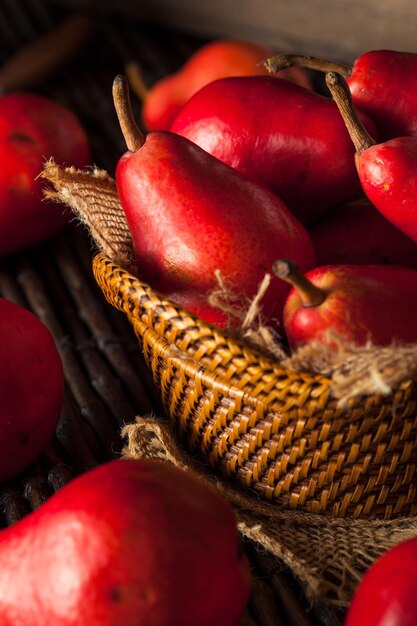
277, 431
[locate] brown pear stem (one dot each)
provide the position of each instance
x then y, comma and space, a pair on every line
284, 61
136, 82
340, 91
134, 137
310, 294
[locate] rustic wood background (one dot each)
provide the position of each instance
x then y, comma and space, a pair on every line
339, 29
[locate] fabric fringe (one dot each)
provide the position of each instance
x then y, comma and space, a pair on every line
92, 195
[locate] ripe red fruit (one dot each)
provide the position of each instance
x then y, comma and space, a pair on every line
189, 215
217, 59
387, 171
277, 134
387, 594
377, 75
31, 388
138, 543
33, 128
373, 80
358, 303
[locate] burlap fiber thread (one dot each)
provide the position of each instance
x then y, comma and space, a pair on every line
327, 552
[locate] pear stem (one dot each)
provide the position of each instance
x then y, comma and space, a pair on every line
284, 61
134, 137
136, 82
310, 294
340, 91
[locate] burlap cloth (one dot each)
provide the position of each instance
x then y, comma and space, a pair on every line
329, 555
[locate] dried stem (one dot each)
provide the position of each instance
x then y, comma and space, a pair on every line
136, 82
339, 89
310, 294
131, 132
283, 61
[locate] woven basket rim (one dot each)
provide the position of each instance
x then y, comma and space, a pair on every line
234, 343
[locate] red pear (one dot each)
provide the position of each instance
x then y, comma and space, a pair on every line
190, 215
31, 388
132, 543
381, 84
278, 134
33, 128
387, 594
217, 59
358, 233
356, 303
388, 171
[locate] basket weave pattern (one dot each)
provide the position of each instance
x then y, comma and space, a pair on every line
275, 430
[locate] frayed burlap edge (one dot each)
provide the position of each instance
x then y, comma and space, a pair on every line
92, 195
329, 555
358, 371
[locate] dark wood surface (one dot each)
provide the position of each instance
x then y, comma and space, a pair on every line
107, 382
338, 30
